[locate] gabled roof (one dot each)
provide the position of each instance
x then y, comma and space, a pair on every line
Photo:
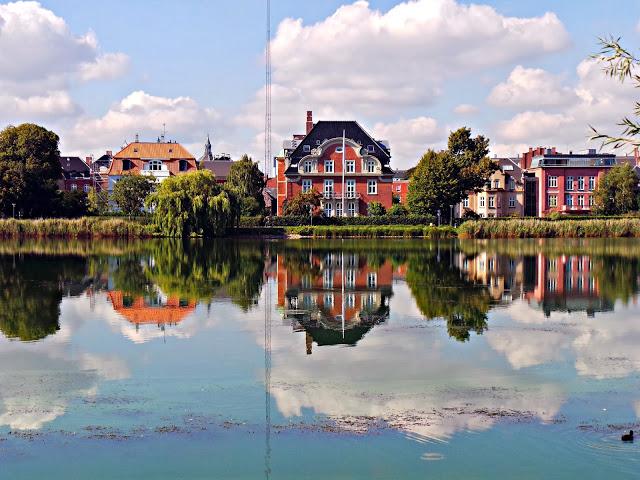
160, 150
326, 130
510, 166
220, 168
73, 164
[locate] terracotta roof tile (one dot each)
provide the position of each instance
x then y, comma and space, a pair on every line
154, 150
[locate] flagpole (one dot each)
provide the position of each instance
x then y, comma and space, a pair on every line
344, 212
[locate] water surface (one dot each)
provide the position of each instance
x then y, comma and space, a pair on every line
319, 359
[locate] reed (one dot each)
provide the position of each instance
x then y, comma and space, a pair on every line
373, 231
85, 227
537, 228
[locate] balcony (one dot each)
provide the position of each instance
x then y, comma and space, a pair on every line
339, 196
575, 208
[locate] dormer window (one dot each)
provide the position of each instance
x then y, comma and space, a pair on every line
306, 148
155, 165
371, 149
339, 150
127, 164
371, 166
317, 142
184, 165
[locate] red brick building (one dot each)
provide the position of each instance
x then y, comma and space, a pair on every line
401, 185
315, 161
76, 175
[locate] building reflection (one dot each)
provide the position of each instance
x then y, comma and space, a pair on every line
154, 309
335, 297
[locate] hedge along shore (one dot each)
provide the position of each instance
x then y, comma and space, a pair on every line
85, 227
537, 228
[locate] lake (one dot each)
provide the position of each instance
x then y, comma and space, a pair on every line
319, 359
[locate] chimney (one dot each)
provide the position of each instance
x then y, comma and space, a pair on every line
309, 121
109, 153
137, 138
88, 160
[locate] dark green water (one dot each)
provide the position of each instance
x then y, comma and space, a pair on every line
384, 359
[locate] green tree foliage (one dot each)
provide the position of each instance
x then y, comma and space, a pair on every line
129, 193
622, 65
29, 170
444, 178
617, 191
376, 209
70, 204
301, 204
193, 203
398, 210
97, 202
247, 181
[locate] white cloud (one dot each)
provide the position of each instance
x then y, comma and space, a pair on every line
465, 109
145, 114
531, 87
411, 138
40, 58
595, 100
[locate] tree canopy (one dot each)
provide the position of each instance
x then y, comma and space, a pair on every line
193, 203
29, 170
617, 191
445, 178
301, 203
130, 192
247, 182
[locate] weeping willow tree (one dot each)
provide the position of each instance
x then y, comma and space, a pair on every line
193, 203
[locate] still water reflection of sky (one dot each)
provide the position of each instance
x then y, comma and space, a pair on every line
431, 341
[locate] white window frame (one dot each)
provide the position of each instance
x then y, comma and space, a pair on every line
552, 200
154, 165
465, 202
74, 187
307, 185
580, 183
496, 184
492, 201
351, 188
338, 209
87, 188
512, 184
592, 184
328, 209
329, 166
591, 200
552, 181
307, 166
569, 184
568, 200
372, 187
372, 280
351, 209
482, 203
350, 166
581, 200
328, 189
512, 202
370, 166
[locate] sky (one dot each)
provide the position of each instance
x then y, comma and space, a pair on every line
518, 72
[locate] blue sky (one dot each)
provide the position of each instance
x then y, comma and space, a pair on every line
197, 66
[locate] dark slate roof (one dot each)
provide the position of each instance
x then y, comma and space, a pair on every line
220, 168
103, 161
401, 174
511, 167
74, 167
326, 130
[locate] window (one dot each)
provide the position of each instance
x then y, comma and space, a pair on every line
87, 188
307, 166
372, 280
155, 165
372, 187
328, 210
328, 166
512, 184
371, 149
350, 279
465, 202
398, 189
306, 186
592, 184
306, 148
482, 202
351, 209
569, 183
328, 300
552, 201
183, 165
74, 187
351, 188
339, 149
127, 164
551, 285
581, 200
512, 202
492, 201
350, 166
591, 202
553, 182
371, 166
580, 183
568, 200
338, 209
496, 184
328, 188
350, 300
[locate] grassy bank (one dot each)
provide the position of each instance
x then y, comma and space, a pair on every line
372, 231
536, 228
86, 227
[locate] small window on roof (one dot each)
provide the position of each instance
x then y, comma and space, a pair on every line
171, 150
371, 148
135, 150
306, 148
339, 149
317, 142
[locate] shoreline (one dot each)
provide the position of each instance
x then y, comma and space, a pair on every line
123, 228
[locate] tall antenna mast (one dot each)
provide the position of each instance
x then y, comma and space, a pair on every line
267, 96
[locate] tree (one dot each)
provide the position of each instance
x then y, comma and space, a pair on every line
376, 209
247, 181
301, 202
29, 170
97, 202
130, 192
70, 204
620, 64
445, 178
617, 191
193, 203
398, 210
